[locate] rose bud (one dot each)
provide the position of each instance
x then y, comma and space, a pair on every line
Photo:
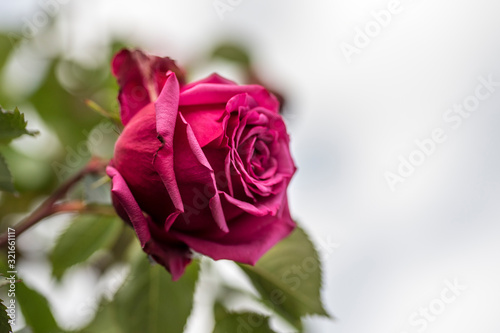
199, 167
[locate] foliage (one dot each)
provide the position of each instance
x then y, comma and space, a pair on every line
4, 319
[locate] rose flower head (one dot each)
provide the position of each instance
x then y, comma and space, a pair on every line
198, 167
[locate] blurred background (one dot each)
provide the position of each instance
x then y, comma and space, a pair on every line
408, 228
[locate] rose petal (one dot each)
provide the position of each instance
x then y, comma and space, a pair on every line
193, 171
254, 209
166, 114
216, 93
207, 122
141, 78
173, 255
172, 258
168, 252
212, 78
246, 240
121, 192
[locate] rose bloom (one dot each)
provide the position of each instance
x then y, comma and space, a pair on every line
198, 167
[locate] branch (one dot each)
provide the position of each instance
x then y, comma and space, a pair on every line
49, 206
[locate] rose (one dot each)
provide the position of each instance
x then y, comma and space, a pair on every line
202, 166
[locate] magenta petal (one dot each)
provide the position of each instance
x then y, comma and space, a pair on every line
122, 193
246, 240
167, 107
174, 259
141, 78
212, 78
240, 100
207, 124
249, 208
192, 168
171, 254
216, 93
166, 114
133, 94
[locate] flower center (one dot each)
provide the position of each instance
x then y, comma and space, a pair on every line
257, 152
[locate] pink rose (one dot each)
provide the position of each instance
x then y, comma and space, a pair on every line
202, 166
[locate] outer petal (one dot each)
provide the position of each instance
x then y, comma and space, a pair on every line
172, 254
127, 202
247, 240
174, 259
134, 153
207, 122
141, 78
168, 252
197, 183
212, 78
166, 115
180, 161
216, 93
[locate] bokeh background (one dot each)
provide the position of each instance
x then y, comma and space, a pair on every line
391, 253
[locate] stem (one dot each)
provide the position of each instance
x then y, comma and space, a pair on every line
49, 206
81, 207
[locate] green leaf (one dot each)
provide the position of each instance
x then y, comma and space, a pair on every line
151, 302
4, 319
240, 322
6, 181
104, 320
64, 111
85, 235
7, 44
288, 277
36, 310
12, 125
232, 52
33, 177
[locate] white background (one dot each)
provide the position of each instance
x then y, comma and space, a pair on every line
349, 122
